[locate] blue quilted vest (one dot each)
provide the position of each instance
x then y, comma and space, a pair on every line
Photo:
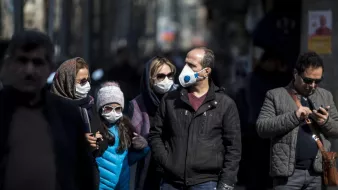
114, 167
111, 164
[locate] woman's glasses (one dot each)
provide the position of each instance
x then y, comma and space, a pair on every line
108, 109
161, 76
82, 81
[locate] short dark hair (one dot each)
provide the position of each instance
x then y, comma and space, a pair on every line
307, 60
29, 40
208, 59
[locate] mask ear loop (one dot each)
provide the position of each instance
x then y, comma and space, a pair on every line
197, 76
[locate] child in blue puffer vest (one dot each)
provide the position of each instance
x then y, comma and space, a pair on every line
120, 147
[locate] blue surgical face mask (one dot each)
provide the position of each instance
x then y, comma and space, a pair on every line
188, 77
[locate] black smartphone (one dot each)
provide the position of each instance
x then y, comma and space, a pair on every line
318, 108
320, 111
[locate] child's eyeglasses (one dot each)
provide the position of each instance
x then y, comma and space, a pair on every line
108, 109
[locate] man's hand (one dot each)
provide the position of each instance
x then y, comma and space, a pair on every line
139, 142
303, 113
321, 116
223, 186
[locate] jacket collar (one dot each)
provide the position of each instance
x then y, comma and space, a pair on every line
210, 96
292, 87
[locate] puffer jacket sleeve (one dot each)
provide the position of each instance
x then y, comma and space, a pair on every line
269, 124
330, 128
136, 155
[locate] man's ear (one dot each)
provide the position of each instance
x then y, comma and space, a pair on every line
208, 71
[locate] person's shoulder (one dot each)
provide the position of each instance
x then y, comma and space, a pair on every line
222, 95
65, 105
276, 91
323, 92
174, 94
137, 99
67, 112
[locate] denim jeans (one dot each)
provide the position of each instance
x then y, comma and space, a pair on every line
211, 185
300, 180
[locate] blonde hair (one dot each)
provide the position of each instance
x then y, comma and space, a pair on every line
156, 64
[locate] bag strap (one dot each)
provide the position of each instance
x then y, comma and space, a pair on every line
315, 134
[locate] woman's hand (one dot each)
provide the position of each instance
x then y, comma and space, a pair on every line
139, 142
92, 139
98, 136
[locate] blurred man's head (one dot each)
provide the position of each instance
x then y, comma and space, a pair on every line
29, 61
308, 73
322, 20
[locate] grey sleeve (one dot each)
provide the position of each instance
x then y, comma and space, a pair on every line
269, 124
330, 128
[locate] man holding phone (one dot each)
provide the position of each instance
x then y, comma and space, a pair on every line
296, 162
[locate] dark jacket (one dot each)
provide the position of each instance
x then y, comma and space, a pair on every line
86, 107
141, 111
93, 124
73, 163
196, 147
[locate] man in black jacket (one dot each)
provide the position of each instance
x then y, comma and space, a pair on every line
195, 135
42, 142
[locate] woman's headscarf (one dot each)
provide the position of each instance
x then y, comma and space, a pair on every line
65, 78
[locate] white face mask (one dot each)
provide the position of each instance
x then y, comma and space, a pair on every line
163, 86
112, 116
188, 77
81, 91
